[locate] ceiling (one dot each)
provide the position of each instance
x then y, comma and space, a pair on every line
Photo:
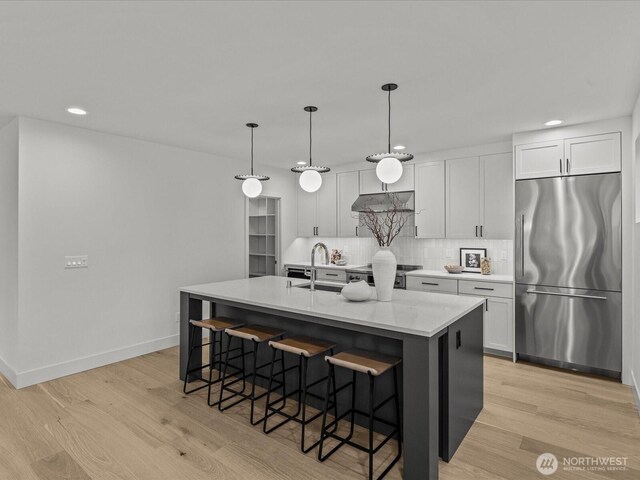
192, 74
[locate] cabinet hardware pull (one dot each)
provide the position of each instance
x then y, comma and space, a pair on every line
481, 230
592, 297
331, 274
356, 231
476, 230
458, 339
416, 231
568, 169
561, 172
483, 288
486, 303
430, 283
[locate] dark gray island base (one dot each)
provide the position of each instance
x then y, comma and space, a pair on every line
441, 374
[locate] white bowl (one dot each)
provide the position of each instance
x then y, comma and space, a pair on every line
454, 268
357, 291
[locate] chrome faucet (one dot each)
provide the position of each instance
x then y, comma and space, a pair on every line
321, 246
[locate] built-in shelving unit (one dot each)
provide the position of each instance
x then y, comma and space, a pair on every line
263, 238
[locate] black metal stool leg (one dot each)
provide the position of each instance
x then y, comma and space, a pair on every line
225, 368
371, 391
302, 399
253, 382
323, 429
186, 375
266, 410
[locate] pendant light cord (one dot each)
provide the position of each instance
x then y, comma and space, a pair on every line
389, 124
310, 137
251, 151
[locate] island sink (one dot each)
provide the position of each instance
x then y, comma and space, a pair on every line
320, 286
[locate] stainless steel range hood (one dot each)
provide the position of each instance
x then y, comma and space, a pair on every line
383, 202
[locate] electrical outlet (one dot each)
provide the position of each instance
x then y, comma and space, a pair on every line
177, 317
503, 255
78, 261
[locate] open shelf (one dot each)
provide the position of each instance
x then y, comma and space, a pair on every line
263, 236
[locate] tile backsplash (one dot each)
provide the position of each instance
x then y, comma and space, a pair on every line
433, 254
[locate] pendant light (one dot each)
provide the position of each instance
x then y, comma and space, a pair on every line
389, 168
310, 179
251, 184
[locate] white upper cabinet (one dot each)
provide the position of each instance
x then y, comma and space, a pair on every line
406, 181
317, 210
593, 154
569, 156
538, 160
430, 200
307, 207
497, 208
326, 216
348, 186
369, 182
463, 197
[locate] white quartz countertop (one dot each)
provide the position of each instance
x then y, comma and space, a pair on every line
416, 313
320, 265
461, 276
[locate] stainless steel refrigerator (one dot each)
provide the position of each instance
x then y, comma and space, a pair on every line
568, 272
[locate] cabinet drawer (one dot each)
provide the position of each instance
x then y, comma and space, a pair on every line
432, 284
331, 275
486, 289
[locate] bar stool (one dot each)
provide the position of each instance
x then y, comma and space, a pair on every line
304, 348
257, 335
373, 365
215, 326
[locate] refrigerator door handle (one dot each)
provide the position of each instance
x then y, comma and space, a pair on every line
593, 297
522, 245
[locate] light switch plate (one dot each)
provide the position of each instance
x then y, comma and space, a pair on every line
503, 255
449, 253
78, 261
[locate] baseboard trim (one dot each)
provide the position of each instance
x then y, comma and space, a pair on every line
636, 391
51, 372
8, 372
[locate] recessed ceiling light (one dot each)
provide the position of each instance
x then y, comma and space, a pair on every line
76, 111
553, 123
301, 163
399, 147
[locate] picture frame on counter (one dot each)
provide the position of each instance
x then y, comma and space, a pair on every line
470, 259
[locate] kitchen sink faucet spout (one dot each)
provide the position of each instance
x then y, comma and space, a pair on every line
320, 246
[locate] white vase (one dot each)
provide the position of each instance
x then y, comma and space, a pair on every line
384, 273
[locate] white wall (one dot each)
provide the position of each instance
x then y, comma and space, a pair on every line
8, 248
151, 218
635, 333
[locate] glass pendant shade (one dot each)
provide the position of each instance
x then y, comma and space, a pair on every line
252, 187
310, 181
389, 164
389, 170
252, 183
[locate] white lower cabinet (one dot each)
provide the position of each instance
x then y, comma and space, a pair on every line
498, 318
498, 324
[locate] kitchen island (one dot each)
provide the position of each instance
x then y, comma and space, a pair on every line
438, 336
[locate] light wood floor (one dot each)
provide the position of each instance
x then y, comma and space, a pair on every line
131, 421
